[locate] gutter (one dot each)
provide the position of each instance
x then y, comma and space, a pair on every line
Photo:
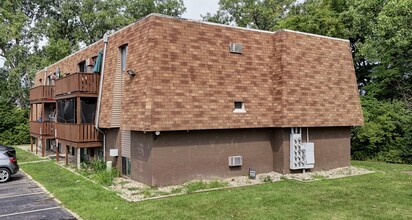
105, 40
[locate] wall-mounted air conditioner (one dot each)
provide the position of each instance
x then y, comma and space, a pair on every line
236, 48
89, 62
114, 152
235, 161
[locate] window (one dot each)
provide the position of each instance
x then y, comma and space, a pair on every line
123, 54
126, 166
239, 107
82, 66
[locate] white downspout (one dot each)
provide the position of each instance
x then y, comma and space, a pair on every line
105, 41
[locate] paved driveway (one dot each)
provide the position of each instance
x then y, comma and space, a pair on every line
21, 198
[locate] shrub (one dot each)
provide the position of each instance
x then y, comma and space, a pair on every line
98, 165
105, 177
386, 133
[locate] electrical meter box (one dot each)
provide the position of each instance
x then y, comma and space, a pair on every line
302, 155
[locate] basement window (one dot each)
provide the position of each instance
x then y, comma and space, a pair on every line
126, 166
239, 107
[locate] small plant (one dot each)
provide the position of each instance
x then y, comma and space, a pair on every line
132, 188
106, 177
200, 185
267, 179
195, 186
217, 184
177, 190
318, 177
97, 165
160, 193
147, 192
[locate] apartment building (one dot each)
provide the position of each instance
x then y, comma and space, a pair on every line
170, 99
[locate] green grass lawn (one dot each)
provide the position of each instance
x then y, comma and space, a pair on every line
25, 156
386, 194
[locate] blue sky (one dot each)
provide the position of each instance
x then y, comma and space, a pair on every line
194, 8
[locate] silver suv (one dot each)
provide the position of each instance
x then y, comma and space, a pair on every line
8, 163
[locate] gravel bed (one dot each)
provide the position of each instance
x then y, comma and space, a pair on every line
136, 191
330, 174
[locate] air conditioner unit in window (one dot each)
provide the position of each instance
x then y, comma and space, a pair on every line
235, 161
89, 62
236, 48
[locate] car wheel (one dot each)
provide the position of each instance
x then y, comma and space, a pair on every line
4, 175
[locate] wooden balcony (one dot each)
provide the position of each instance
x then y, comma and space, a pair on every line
78, 84
82, 135
42, 93
42, 128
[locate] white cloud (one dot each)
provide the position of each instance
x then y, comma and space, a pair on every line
195, 8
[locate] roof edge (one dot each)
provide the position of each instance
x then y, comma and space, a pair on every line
127, 26
313, 35
196, 21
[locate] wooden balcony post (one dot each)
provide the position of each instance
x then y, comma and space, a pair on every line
57, 152
31, 143
37, 146
67, 155
57, 145
43, 146
78, 110
78, 157
42, 112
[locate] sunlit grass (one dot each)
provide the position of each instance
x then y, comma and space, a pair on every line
386, 194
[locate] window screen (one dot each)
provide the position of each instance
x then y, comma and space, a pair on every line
238, 105
82, 66
123, 56
126, 166
66, 111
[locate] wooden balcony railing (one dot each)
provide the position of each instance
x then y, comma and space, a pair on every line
42, 128
77, 132
42, 93
78, 82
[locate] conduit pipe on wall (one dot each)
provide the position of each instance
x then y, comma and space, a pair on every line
105, 41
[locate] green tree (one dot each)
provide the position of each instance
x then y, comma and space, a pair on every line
317, 16
389, 46
264, 14
385, 133
14, 124
65, 25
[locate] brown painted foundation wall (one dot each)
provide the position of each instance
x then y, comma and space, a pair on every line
181, 156
175, 157
113, 141
142, 157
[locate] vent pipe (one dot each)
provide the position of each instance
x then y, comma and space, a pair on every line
105, 41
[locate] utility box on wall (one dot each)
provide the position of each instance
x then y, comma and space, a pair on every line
302, 155
114, 152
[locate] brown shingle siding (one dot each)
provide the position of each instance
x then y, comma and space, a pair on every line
187, 79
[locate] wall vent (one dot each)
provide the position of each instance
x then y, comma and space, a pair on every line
235, 161
236, 48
